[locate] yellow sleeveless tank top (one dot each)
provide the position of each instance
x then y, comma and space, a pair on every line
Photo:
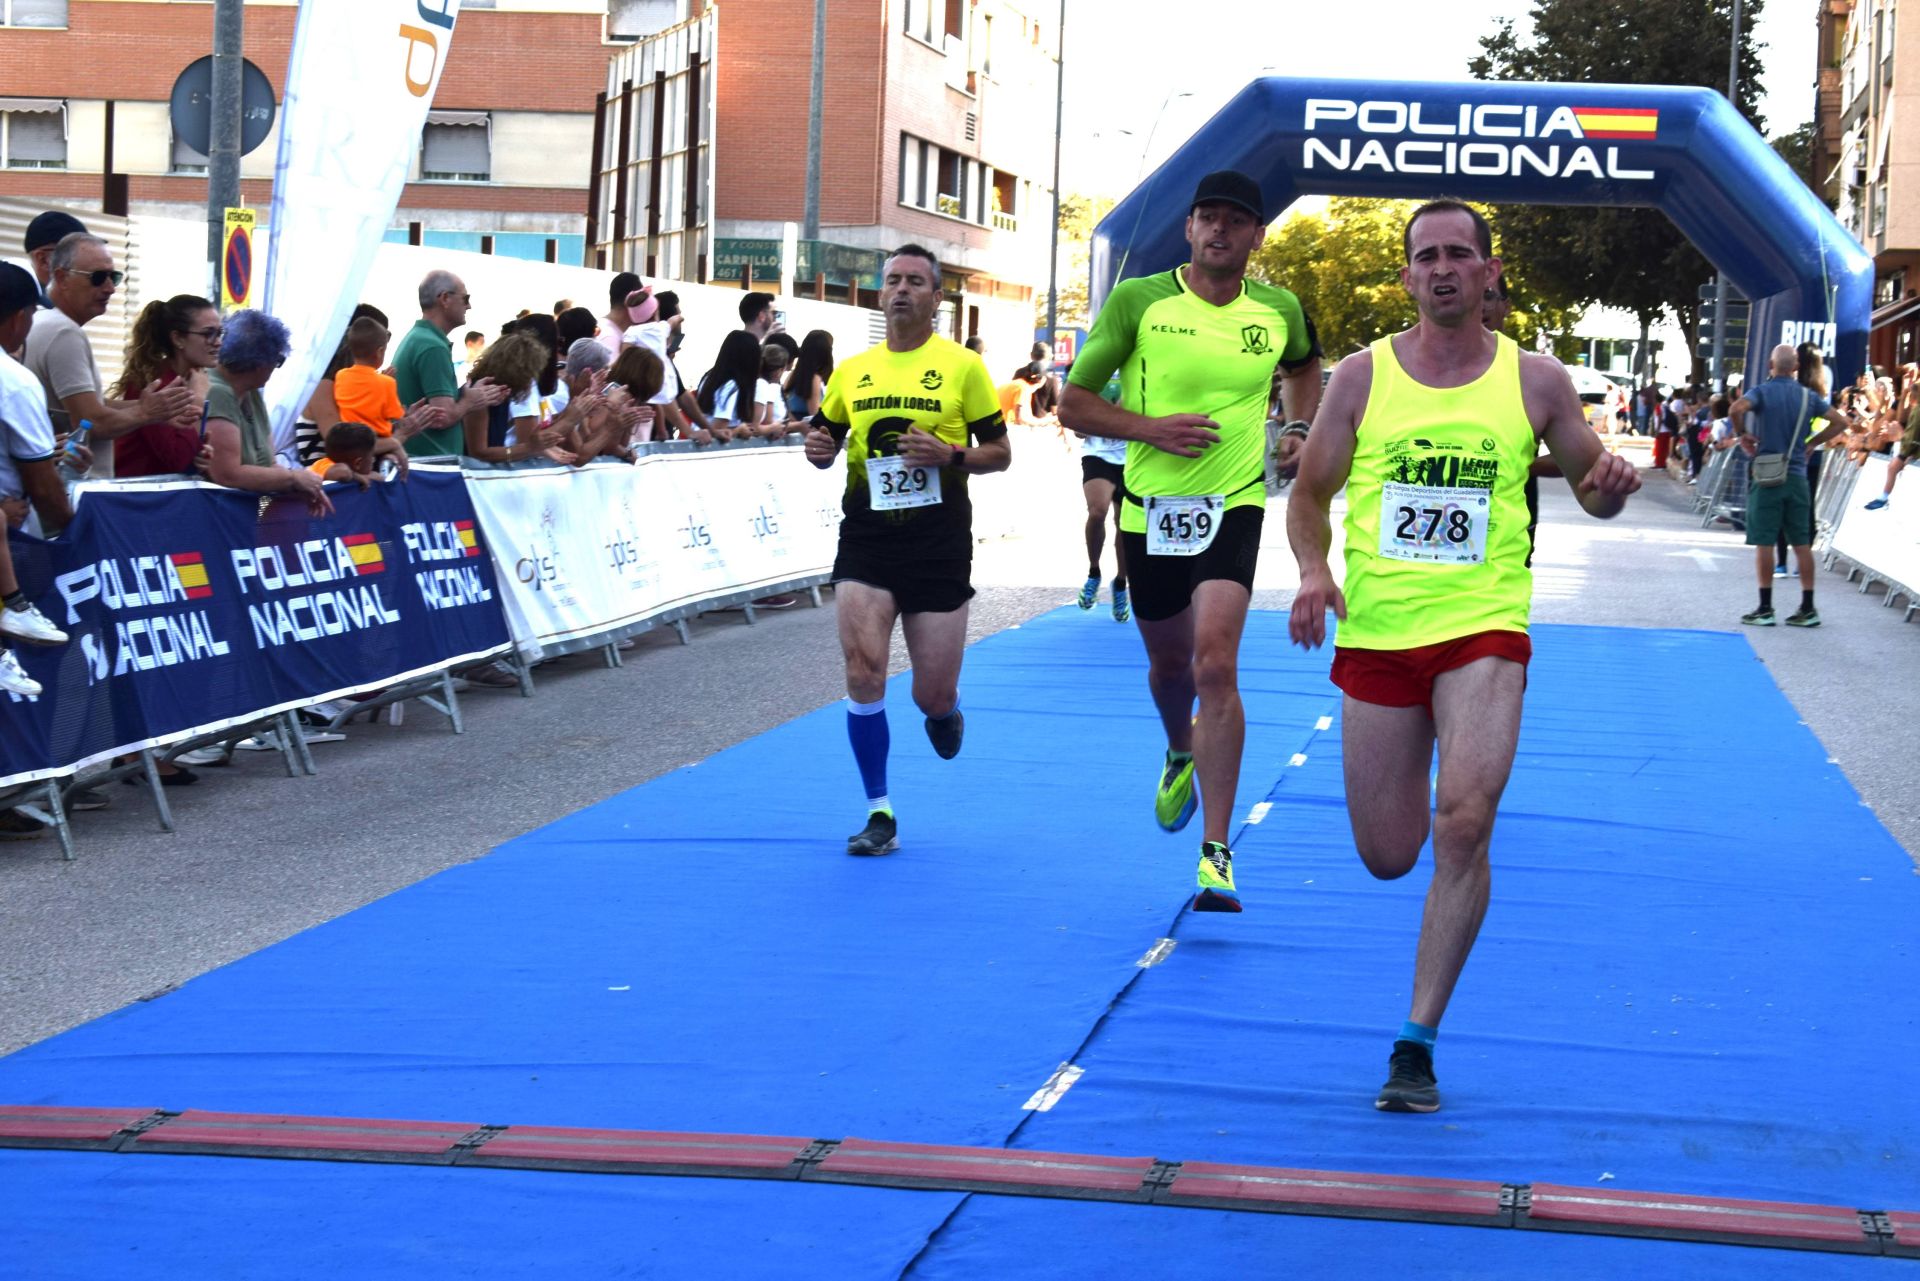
1436, 523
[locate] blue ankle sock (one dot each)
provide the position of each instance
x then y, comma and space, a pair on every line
867, 732
1418, 1033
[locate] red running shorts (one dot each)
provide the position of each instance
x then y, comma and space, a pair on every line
1404, 677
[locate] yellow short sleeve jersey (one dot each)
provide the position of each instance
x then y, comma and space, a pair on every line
876, 397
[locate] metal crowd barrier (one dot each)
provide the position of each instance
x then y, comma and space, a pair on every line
41, 800
1838, 472
1840, 500
1722, 491
609, 642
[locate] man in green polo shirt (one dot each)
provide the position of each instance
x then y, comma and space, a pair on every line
1196, 349
423, 367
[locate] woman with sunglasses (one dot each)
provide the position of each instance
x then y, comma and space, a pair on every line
177, 340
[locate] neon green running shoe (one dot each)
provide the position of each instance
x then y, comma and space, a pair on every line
1089, 593
1216, 892
1174, 802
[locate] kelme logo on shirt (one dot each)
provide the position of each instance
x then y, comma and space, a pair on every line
931, 380
1255, 340
866, 380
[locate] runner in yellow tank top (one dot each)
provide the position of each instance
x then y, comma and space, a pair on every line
1431, 432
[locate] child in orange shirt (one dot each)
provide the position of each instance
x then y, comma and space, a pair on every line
362, 392
350, 450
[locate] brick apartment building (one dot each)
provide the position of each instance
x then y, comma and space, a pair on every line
1866, 157
938, 128
503, 163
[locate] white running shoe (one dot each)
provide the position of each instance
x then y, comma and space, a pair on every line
214, 755
31, 626
13, 680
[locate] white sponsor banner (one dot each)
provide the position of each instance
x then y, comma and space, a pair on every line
587, 552
1886, 542
360, 79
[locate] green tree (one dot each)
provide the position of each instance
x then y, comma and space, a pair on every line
1345, 267
1079, 215
1796, 148
1630, 258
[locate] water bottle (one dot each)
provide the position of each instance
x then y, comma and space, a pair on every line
75, 442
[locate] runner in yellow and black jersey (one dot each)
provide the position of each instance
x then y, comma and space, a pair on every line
906, 411
872, 402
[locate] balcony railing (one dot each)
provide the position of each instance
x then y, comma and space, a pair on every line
1005, 221
948, 205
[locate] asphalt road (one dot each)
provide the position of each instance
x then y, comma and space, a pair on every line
259, 856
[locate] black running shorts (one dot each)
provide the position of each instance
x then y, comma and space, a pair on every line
1162, 586
918, 585
1092, 468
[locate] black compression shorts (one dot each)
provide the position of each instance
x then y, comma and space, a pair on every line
1162, 586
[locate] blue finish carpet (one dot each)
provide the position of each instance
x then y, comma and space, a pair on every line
1694, 978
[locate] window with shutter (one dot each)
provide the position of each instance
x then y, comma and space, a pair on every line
34, 13
185, 158
455, 153
36, 140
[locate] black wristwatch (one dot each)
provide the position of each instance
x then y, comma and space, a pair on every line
959, 458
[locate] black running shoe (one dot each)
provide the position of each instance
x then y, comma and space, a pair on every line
945, 734
881, 835
1410, 1083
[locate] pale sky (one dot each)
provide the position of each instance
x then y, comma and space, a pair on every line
1127, 58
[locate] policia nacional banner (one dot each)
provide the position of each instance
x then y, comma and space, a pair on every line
191, 607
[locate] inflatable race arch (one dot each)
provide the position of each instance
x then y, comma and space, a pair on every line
1683, 151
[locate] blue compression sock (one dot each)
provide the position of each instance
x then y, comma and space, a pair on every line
867, 732
1418, 1033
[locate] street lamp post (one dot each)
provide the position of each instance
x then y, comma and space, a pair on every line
223, 144
1059, 116
1720, 277
816, 92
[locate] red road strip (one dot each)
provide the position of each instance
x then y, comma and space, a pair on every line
1906, 1233
1378, 1196
641, 1152
25, 1127
1140, 1180
921, 1165
314, 1137
1717, 1218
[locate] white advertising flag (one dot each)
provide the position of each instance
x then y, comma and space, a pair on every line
359, 82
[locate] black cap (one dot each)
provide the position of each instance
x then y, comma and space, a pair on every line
50, 228
1229, 187
18, 289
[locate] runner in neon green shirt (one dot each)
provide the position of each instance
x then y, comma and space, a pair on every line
1196, 349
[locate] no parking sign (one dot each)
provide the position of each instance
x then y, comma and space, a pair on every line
236, 260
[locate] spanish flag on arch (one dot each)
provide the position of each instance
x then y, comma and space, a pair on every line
1641, 123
